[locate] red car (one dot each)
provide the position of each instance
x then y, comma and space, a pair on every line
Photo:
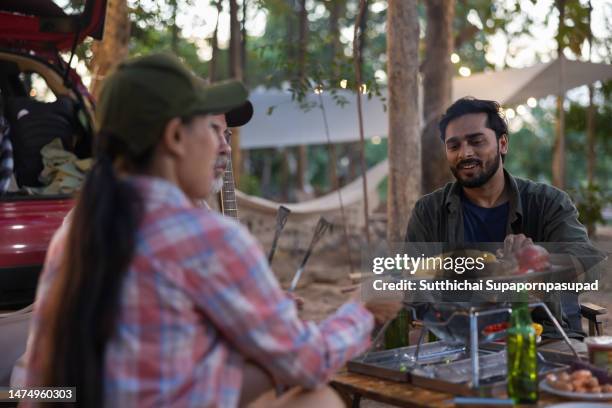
36, 39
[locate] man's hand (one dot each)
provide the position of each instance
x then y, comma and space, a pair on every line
514, 242
528, 255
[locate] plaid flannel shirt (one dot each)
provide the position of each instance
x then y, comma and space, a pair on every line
197, 301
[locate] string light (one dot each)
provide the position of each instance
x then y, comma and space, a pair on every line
465, 71
455, 58
532, 102
376, 140
510, 114
521, 110
343, 84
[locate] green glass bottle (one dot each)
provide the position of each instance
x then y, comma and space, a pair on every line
396, 334
522, 355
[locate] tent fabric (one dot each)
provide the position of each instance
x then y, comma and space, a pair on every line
512, 87
291, 125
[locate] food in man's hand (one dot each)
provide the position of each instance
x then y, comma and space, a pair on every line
532, 258
580, 381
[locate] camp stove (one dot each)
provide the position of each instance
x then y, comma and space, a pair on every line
476, 366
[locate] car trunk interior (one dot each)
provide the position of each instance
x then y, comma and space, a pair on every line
17, 91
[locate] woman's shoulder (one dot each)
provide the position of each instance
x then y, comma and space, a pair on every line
196, 225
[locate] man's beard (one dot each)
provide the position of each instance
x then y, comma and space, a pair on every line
217, 184
480, 179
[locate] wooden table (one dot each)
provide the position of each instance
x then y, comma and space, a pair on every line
352, 387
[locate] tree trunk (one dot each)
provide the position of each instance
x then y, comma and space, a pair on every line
214, 44
235, 63
114, 46
404, 138
335, 11
590, 130
363, 25
302, 40
284, 179
353, 155
302, 151
290, 43
437, 88
235, 72
358, 47
558, 160
302, 168
174, 30
266, 173
243, 41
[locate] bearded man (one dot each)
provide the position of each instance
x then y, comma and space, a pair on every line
235, 118
487, 204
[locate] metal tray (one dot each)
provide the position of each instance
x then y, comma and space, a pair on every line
443, 367
398, 364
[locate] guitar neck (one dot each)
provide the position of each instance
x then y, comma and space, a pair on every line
227, 195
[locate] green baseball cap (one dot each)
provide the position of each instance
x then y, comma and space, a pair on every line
140, 97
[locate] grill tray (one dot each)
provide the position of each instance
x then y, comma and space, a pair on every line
444, 367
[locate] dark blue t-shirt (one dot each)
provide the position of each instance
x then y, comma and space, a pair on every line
484, 224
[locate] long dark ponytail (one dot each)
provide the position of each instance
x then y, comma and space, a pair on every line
85, 296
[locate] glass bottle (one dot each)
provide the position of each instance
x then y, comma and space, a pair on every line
396, 334
522, 355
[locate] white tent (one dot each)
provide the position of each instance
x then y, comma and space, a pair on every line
289, 125
514, 86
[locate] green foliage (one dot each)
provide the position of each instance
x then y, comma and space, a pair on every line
249, 184
271, 62
530, 152
577, 28
590, 200
530, 142
274, 61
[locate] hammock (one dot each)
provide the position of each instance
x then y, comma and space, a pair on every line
329, 204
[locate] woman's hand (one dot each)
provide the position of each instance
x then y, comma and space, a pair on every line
383, 309
299, 301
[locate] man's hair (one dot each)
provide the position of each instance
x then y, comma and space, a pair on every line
496, 119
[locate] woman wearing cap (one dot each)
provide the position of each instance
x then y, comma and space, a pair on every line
146, 300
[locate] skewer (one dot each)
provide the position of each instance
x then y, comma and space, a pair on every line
281, 220
320, 229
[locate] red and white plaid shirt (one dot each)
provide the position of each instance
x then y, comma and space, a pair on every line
198, 300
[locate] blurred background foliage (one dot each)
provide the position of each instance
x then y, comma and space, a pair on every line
270, 61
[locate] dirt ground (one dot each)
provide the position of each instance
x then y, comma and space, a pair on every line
327, 275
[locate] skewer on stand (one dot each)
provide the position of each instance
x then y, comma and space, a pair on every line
281, 220
320, 229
